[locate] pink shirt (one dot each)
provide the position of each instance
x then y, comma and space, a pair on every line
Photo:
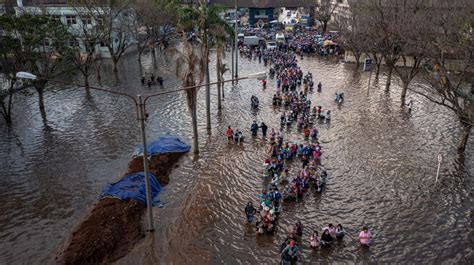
364, 237
314, 242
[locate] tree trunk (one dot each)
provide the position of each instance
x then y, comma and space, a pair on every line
140, 51
208, 90
377, 69
404, 92
195, 129
98, 73
325, 25
378, 63
357, 58
465, 133
219, 100
222, 86
40, 90
86, 81
6, 111
115, 61
389, 78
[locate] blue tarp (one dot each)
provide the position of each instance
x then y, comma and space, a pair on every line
133, 187
165, 144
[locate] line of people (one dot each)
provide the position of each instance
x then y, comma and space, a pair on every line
276, 175
151, 80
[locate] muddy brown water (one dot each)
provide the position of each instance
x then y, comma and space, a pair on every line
381, 163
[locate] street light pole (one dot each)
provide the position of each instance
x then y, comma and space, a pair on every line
149, 199
236, 44
233, 53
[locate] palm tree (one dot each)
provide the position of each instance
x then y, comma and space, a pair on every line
221, 68
210, 27
190, 67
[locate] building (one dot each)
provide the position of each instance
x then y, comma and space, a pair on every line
263, 10
342, 9
71, 16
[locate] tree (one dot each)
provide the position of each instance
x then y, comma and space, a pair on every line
353, 34
190, 68
87, 37
324, 12
209, 25
114, 21
221, 69
361, 15
8, 67
386, 19
6, 93
42, 42
151, 22
374, 53
452, 45
414, 38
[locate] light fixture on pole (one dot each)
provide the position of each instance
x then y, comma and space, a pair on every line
26, 75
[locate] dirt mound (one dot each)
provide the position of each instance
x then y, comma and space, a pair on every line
110, 231
114, 226
158, 166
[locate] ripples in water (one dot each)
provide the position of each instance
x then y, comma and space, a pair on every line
382, 164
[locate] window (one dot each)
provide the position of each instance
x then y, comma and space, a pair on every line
86, 20
339, 1
56, 18
46, 42
90, 46
102, 44
71, 20
74, 43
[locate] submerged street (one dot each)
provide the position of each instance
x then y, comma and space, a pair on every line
381, 162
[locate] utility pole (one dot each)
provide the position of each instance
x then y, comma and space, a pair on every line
236, 44
233, 53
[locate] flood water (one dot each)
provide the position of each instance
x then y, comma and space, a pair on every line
381, 162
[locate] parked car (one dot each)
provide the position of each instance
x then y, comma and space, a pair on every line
271, 45
280, 38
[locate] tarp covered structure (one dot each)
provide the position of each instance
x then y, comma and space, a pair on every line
165, 144
133, 187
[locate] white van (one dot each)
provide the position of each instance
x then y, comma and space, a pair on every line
271, 45
252, 40
280, 38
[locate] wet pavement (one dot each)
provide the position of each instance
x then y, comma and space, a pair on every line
381, 162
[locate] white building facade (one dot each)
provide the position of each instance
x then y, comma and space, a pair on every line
76, 19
